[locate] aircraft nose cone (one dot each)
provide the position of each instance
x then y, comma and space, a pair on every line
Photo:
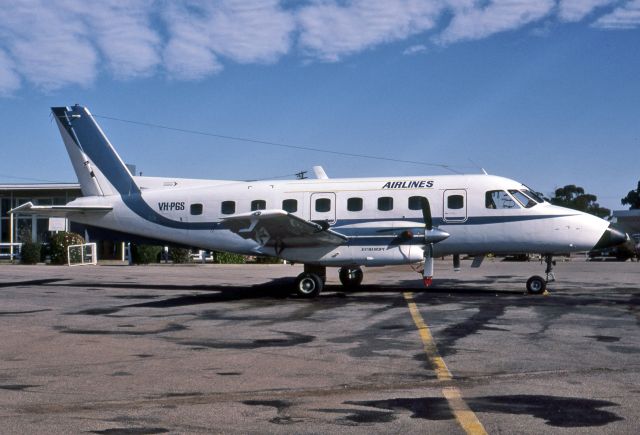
610, 238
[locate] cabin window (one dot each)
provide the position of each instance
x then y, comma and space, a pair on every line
455, 202
416, 202
323, 205
523, 199
499, 199
290, 205
354, 204
196, 209
385, 203
228, 207
258, 204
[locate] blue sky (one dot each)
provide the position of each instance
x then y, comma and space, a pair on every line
546, 92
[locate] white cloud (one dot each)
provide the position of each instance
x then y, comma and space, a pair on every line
123, 32
9, 80
251, 31
60, 43
576, 10
476, 20
330, 31
46, 45
51, 44
242, 30
415, 49
188, 54
626, 16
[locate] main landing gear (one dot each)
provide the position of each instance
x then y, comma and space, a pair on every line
536, 285
309, 283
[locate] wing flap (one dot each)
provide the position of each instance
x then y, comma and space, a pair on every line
281, 229
58, 210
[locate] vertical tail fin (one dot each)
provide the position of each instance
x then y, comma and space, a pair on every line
100, 170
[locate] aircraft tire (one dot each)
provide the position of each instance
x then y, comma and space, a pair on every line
536, 285
351, 277
308, 285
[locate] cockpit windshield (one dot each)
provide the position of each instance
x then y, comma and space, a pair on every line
523, 199
499, 199
531, 194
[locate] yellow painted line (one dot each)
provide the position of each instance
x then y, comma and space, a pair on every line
464, 415
442, 372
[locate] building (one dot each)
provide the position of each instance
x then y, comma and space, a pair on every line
13, 195
629, 221
39, 229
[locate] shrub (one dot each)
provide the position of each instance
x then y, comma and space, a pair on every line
179, 255
30, 253
228, 258
145, 254
262, 259
59, 243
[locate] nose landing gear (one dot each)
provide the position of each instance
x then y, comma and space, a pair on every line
536, 285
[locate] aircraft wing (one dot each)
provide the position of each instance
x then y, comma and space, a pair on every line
58, 210
281, 229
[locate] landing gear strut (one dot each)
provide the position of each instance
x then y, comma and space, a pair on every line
310, 282
537, 285
350, 277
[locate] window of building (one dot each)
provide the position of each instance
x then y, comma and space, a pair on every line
323, 205
258, 204
385, 203
354, 204
499, 199
228, 207
455, 202
196, 209
5, 206
290, 205
416, 202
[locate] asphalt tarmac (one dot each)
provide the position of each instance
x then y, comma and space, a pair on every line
225, 349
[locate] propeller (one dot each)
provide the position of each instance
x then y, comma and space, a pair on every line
431, 235
426, 214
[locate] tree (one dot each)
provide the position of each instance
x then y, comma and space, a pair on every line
632, 199
572, 196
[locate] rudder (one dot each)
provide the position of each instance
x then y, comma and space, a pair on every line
100, 171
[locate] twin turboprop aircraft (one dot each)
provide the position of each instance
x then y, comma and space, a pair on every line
346, 223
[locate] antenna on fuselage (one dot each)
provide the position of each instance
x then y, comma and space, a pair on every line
320, 173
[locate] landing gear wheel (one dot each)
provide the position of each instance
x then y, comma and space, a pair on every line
536, 285
308, 285
350, 277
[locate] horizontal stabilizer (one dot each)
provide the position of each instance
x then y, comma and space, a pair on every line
273, 227
58, 210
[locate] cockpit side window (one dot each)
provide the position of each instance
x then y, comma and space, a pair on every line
523, 199
499, 199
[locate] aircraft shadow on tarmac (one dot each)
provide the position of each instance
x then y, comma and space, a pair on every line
280, 288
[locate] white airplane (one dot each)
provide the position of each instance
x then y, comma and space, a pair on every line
345, 223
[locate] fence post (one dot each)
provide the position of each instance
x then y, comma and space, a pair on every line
11, 237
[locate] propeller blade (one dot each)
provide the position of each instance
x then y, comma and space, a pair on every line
426, 214
427, 274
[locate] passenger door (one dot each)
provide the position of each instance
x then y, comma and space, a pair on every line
455, 205
323, 207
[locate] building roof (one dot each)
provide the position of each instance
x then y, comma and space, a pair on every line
39, 186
